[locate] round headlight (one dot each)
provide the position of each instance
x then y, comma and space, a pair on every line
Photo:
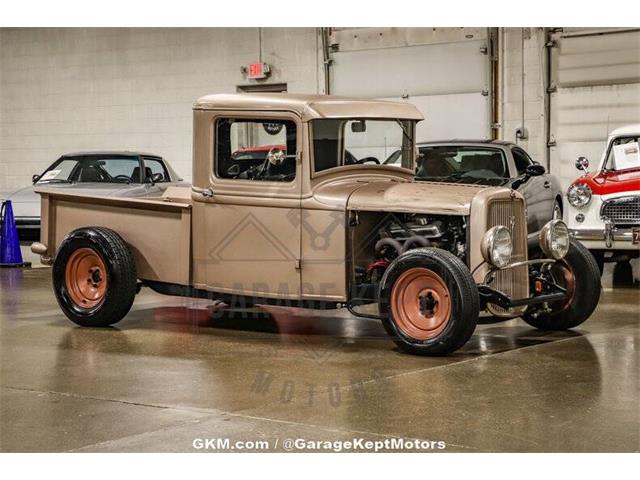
579, 195
554, 239
497, 246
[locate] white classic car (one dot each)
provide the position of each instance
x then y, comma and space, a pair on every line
604, 204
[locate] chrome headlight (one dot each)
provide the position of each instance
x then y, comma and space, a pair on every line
579, 195
554, 239
497, 246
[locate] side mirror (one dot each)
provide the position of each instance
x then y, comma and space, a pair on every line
155, 178
582, 163
535, 170
35, 178
233, 171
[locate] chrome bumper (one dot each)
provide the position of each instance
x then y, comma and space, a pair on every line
608, 234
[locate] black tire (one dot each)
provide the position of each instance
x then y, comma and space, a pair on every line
120, 281
464, 305
584, 299
598, 256
623, 274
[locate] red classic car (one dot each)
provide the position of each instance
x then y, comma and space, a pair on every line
604, 204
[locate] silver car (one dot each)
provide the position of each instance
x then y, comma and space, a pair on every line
105, 173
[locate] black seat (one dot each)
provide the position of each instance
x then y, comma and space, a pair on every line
135, 175
90, 174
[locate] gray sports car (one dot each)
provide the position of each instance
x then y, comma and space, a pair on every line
110, 173
494, 163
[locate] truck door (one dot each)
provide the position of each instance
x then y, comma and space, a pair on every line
251, 211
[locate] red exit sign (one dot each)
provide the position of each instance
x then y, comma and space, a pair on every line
258, 70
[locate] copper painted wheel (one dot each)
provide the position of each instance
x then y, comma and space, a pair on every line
85, 277
564, 273
420, 303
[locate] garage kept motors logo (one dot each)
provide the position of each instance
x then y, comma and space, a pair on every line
272, 128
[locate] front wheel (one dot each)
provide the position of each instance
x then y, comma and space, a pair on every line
429, 302
578, 273
94, 277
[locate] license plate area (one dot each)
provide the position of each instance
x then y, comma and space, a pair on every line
635, 236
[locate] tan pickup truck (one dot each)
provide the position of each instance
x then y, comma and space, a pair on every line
311, 201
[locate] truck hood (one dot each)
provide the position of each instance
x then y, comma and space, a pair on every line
400, 196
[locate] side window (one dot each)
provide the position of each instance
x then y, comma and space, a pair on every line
153, 166
521, 160
261, 150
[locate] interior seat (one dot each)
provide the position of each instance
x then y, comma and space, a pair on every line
135, 175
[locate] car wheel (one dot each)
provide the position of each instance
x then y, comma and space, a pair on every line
578, 273
557, 211
94, 277
429, 302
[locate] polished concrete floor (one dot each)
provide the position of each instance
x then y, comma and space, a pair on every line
170, 373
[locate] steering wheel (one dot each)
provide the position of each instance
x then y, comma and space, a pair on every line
126, 178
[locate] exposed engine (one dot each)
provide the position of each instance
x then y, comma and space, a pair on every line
403, 232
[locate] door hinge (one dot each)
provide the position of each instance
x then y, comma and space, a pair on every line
298, 264
552, 88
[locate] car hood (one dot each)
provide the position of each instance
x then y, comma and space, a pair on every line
25, 202
605, 183
24, 195
399, 196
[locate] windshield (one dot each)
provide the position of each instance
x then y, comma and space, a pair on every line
461, 162
623, 154
344, 142
95, 169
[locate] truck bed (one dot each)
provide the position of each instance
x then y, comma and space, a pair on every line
157, 229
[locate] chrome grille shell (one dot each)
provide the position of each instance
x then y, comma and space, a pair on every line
622, 210
513, 282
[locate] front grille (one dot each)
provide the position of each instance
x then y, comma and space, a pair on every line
513, 282
622, 211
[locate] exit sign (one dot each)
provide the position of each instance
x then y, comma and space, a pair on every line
258, 70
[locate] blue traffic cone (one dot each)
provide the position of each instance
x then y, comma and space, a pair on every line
10, 254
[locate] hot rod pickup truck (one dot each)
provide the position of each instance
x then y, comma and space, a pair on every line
318, 220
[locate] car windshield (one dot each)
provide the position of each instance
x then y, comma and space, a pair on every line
461, 163
93, 169
623, 154
374, 143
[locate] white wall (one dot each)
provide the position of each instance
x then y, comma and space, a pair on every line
64, 90
533, 92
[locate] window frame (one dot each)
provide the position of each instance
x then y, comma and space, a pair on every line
162, 163
526, 155
355, 167
243, 187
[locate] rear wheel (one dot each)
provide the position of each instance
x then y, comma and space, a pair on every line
578, 273
94, 277
429, 302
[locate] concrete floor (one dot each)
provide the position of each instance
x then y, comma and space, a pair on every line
169, 374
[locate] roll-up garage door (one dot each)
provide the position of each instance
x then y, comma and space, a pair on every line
444, 72
595, 78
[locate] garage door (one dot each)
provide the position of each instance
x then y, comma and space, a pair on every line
596, 75
444, 72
